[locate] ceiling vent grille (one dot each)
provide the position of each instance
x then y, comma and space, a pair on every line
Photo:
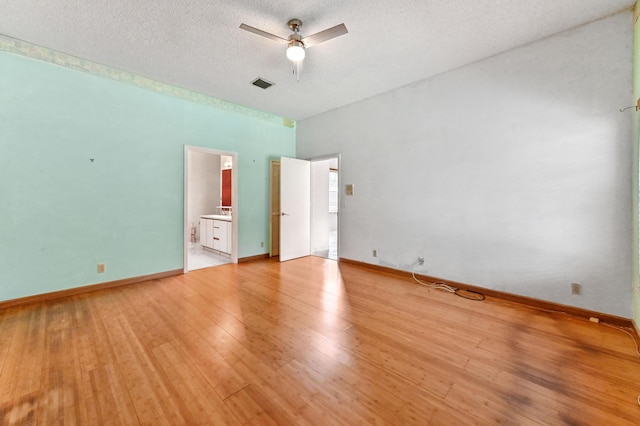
262, 83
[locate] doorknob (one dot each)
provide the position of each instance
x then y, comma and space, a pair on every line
285, 214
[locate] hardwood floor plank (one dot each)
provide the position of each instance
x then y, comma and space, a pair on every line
423, 370
19, 380
218, 372
335, 408
380, 392
198, 401
8, 326
487, 405
247, 409
149, 394
307, 342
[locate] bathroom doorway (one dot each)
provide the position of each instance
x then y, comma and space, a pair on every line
210, 208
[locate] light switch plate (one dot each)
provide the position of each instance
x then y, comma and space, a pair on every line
348, 189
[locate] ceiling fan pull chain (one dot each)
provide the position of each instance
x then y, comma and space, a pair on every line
296, 70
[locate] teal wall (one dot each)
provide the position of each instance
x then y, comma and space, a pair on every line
61, 214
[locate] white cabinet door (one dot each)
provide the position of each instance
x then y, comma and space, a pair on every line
221, 235
209, 233
216, 234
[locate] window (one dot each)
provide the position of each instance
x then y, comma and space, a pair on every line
333, 191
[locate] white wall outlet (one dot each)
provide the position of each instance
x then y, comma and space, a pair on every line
576, 288
420, 260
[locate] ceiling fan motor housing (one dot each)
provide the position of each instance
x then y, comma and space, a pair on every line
295, 25
295, 50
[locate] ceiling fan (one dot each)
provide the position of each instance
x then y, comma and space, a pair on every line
296, 42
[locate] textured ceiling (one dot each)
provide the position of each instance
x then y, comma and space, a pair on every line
197, 45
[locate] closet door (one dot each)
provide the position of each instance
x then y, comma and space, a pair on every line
295, 208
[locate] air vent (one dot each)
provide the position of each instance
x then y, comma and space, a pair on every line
261, 83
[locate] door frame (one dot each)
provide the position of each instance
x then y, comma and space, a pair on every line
274, 233
234, 198
319, 158
339, 158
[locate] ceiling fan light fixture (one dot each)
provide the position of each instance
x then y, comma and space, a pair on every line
295, 51
296, 43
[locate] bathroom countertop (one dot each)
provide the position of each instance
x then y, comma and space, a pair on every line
216, 217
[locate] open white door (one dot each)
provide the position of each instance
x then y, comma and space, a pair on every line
295, 208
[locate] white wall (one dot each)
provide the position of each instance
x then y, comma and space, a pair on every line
513, 173
204, 186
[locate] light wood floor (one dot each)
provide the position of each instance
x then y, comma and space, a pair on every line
309, 341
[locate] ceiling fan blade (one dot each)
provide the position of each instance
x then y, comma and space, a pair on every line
325, 35
263, 33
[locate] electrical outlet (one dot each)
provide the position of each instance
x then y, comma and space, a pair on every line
100, 268
375, 253
576, 288
420, 260
261, 243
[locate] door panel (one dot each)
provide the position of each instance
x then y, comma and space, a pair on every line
295, 209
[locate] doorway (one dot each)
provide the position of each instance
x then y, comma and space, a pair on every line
324, 207
210, 207
322, 237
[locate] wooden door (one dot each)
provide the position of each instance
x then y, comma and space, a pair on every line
274, 222
226, 187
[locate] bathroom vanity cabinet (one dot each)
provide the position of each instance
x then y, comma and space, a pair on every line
215, 232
